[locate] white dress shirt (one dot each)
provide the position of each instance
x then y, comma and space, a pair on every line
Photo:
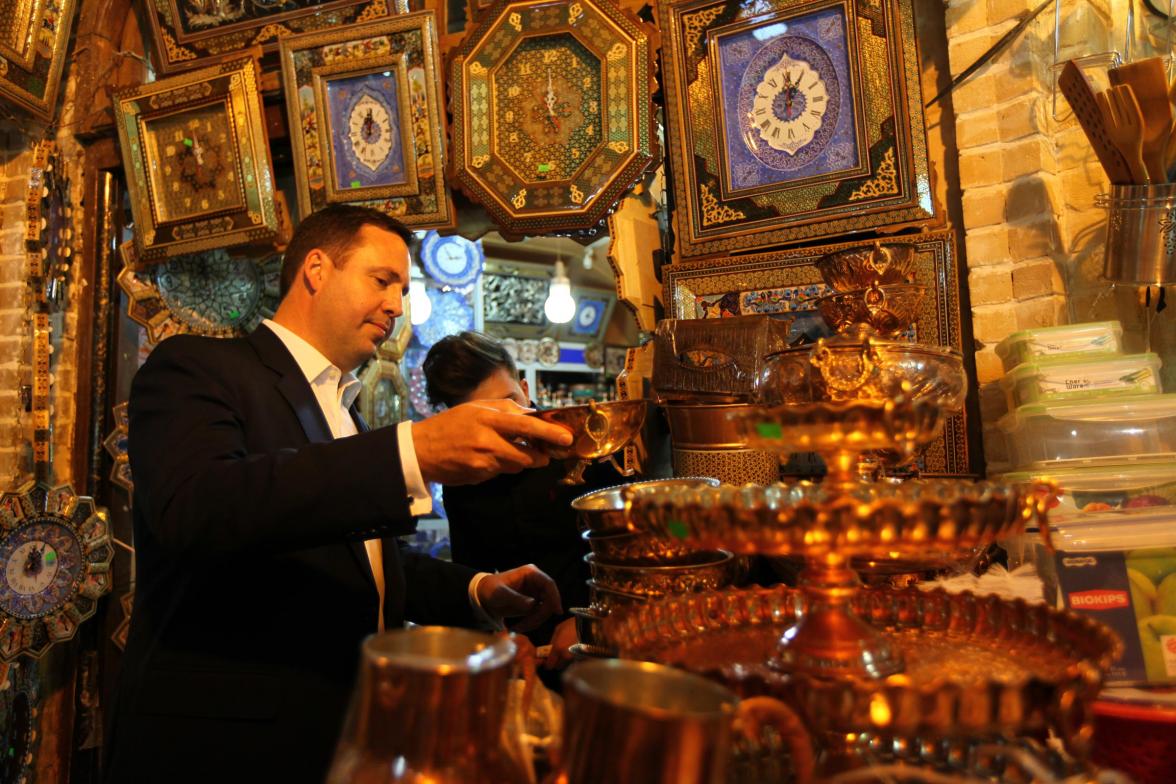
335, 391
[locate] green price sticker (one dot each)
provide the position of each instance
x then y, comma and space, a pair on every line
544, 168
50, 557
768, 430
678, 529
355, 183
187, 142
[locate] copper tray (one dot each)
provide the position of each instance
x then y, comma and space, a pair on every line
973, 665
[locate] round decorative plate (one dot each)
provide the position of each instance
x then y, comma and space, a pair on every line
451, 314
211, 293
594, 355
116, 446
55, 555
548, 352
452, 261
512, 347
528, 351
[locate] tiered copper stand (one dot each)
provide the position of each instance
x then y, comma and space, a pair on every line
862, 664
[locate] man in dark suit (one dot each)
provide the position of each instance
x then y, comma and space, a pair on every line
266, 517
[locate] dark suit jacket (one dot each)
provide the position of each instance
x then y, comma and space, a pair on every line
253, 588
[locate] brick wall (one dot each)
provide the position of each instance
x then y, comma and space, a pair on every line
1029, 178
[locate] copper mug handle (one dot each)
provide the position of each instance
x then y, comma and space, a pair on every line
755, 713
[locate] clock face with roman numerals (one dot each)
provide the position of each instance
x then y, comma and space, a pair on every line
789, 106
789, 100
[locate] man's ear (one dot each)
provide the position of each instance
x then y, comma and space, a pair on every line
526, 390
314, 269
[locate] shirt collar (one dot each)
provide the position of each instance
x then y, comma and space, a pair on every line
313, 364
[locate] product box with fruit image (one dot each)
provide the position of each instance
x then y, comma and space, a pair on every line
1134, 593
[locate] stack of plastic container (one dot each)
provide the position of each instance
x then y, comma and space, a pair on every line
1095, 421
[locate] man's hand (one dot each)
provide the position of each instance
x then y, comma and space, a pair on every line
475, 441
523, 591
563, 638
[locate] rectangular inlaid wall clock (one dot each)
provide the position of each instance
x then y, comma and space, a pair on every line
788, 282
366, 121
792, 120
33, 43
552, 112
197, 161
194, 33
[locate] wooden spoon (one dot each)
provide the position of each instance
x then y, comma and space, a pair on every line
1148, 79
1125, 127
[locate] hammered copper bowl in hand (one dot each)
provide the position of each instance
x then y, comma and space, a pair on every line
598, 429
861, 268
886, 310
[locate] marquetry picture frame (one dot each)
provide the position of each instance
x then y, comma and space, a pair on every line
788, 282
33, 47
194, 33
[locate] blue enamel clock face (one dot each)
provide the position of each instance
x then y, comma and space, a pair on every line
42, 563
589, 313
452, 261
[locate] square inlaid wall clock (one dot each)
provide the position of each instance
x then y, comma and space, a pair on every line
193, 33
197, 161
552, 112
33, 43
792, 120
366, 122
787, 281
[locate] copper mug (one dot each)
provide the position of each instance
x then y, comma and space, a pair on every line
629, 722
430, 704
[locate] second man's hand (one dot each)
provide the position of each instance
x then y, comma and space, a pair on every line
525, 593
474, 442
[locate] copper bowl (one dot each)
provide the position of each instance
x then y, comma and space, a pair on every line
603, 599
710, 570
589, 625
844, 369
603, 511
630, 547
598, 429
886, 310
860, 268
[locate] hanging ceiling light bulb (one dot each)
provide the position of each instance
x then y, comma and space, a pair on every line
419, 306
559, 307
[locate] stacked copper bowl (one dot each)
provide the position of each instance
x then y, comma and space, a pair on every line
631, 568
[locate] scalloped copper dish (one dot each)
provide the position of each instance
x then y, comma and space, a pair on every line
603, 511
703, 571
915, 518
598, 430
973, 665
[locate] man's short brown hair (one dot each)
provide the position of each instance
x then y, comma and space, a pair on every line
333, 230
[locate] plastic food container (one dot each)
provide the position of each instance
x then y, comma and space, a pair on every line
1070, 341
1107, 492
1113, 430
1038, 382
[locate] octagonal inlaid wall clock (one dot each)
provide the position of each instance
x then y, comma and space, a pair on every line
197, 161
55, 554
552, 112
792, 120
364, 108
